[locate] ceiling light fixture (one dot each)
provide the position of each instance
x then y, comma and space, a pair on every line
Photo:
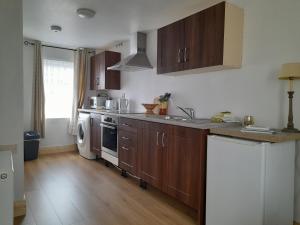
85, 13
55, 28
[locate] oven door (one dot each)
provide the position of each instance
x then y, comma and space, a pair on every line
109, 139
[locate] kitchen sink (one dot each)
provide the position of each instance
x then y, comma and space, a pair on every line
182, 119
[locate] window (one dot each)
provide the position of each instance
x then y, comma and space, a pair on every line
58, 84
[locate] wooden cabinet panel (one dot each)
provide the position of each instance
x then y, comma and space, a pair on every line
208, 40
170, 44
184, 159
128, 146
128, 139
152, 153
100, 77
128, 124
93, 73
95, 139
204, 35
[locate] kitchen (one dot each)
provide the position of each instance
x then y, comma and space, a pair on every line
252, 88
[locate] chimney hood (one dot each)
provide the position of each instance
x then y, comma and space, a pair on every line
137, 61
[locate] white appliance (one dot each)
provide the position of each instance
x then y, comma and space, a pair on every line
249, 183
109, 139
111, 104
83, 136
97, 102
6, 188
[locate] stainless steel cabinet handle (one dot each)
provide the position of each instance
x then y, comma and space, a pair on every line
110, 127
157, 134
91, 120
185, 54
163, 139
179, 56
125, 124
125, 138
125, 148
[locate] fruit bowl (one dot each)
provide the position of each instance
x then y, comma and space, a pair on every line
149, 108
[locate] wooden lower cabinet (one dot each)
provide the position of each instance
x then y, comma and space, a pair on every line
128, 145
152, 153
95, 139
184, 166
170, 158
128, 151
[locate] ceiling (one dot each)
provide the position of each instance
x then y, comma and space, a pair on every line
115, 20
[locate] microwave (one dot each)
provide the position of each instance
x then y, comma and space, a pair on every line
97, 102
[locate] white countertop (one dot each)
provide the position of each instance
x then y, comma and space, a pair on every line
197, 123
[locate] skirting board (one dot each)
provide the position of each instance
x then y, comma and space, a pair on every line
19, 208
57, 149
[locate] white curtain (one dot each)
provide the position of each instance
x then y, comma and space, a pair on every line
79, 88
39, 95
58, 84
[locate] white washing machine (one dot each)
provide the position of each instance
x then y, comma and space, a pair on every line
83, 136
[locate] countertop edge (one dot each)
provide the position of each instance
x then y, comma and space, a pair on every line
273, 138
137, 116
223, 129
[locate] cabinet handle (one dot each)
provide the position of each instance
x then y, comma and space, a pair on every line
125, 138
125, 124
185, 55
163, 139
125, 148
179, 56
157, 134
91, 121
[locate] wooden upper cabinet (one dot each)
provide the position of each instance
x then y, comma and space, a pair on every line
170, 42
100, 77
208, 40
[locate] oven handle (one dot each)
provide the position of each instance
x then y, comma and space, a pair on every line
110, 127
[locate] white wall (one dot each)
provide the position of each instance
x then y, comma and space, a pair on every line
11, 85
271, 37
56, 133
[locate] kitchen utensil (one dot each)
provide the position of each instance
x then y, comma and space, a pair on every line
149, 108
111, 104
248, 120
123, 104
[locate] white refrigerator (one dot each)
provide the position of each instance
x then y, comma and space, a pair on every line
249, 183
6, 188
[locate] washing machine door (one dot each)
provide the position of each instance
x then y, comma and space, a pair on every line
81, 131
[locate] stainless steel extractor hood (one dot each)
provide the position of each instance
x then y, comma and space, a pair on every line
137, 61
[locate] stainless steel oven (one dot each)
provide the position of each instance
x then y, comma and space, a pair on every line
109, 140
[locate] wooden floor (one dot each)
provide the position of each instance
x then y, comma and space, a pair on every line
65, 189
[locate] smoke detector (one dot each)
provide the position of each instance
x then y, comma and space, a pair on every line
55, 28
85, 13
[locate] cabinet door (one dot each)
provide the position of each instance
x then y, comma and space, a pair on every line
128, 151
112, 77
170, 44
102, 71
95, 134
184, 165
151, 154
93, 73
204, 38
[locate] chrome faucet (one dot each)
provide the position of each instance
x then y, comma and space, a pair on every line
190, 112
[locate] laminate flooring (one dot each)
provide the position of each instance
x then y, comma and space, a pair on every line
66, 189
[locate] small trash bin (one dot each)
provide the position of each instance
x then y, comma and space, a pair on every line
31, 145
